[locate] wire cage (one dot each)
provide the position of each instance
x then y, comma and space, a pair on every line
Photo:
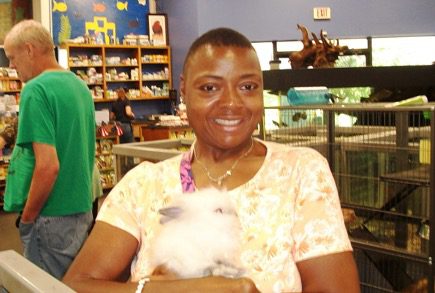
381, 158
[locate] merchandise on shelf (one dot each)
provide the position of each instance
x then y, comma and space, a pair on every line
113, 74
9, 85
155, 58
91, 76
84, 60
105, 160
156, 91
145, 71
97, 93
156, 75
117, 60
9, 82
8, 72
131, 39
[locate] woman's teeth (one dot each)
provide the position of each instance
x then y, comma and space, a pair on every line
225, 122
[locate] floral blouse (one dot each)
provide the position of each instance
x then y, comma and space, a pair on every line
289, 211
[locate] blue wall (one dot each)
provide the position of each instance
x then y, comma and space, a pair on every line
267, 20
124, 17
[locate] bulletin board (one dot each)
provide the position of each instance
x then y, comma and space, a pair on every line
112, 18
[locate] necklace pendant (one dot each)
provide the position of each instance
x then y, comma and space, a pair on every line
229, 172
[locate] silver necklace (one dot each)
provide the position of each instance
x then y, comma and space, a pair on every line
227, 173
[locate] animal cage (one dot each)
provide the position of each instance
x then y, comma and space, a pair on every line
382, 162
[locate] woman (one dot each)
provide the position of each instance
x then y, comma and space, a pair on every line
294, 238
122, 112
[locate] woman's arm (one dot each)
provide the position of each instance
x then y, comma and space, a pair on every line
326, 264
103, 265
330, 273
129, 111
106, 256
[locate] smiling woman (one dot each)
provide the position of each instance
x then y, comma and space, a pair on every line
303, 244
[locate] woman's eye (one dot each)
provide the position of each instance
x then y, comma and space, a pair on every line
209, 88
249, 87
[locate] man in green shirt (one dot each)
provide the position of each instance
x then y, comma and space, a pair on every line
49, 178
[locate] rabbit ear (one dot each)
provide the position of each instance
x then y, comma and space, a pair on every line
170, 214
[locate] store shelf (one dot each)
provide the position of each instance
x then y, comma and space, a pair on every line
105, 160
390, 76
127, 60
10, 85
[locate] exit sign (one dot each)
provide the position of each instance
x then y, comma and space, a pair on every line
322, 13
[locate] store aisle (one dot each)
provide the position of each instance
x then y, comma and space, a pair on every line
9, 238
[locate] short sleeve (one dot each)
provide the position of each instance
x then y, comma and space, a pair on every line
133, 204
119, 207
36, 119
319, 226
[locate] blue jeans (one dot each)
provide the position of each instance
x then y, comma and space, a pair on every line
53, 242
127, 135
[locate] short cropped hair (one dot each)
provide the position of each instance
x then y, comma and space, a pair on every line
219, 37
31, 31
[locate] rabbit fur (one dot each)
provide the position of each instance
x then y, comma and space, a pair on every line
199, 236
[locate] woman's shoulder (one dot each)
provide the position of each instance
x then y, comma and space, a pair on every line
280, 150
150, 178
150, 169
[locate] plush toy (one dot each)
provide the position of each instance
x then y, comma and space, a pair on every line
199, 236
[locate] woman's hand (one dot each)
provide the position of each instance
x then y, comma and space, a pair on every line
211, 284
208, 284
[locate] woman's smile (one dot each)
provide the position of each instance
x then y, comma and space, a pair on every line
227, 122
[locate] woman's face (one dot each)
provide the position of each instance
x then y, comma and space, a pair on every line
121, 94
223, 91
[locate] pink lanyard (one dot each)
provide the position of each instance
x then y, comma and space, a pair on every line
186, 176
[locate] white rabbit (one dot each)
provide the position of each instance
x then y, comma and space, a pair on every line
199, 236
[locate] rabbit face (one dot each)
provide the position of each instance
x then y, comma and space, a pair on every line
199, 236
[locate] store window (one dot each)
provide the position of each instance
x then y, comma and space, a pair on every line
403, 51
391, 51
264, 52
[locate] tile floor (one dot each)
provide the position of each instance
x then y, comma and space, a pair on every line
9, 237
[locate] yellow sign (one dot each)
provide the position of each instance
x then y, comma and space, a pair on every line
101, 25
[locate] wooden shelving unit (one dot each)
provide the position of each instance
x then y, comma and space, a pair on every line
10, 85
144, 70
105, 160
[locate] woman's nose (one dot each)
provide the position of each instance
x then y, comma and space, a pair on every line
231, 97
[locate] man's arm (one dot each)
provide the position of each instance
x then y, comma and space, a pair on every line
129, 111
44, 177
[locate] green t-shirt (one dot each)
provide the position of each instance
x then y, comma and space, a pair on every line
56, 108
